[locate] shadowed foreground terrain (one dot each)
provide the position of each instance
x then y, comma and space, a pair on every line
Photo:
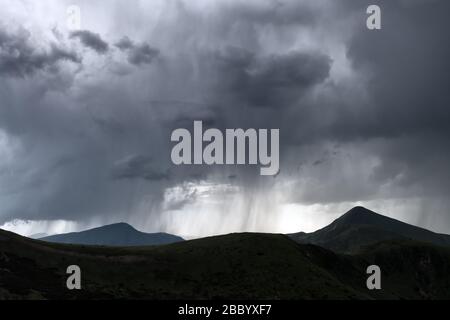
235, 266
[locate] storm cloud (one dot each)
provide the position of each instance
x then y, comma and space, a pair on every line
19, 57
137, 53
91, 40
138, 166
363, 115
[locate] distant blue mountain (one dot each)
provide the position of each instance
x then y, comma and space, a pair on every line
38, 235
118, 234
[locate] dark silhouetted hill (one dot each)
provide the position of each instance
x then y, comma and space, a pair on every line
360, 227
235, 266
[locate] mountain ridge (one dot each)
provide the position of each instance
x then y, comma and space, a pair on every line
238, 266
360, 227
116, 234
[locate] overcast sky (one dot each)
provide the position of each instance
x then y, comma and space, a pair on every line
86, 116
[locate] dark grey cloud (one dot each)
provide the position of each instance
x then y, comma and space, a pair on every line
363, 115
408, 91
273, 80
137, 54
391, 138
20, 58
142, 54
138, 166
91, 40
125, 43
408, 77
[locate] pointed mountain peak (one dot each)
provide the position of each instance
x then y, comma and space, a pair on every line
358, 210
358, 215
